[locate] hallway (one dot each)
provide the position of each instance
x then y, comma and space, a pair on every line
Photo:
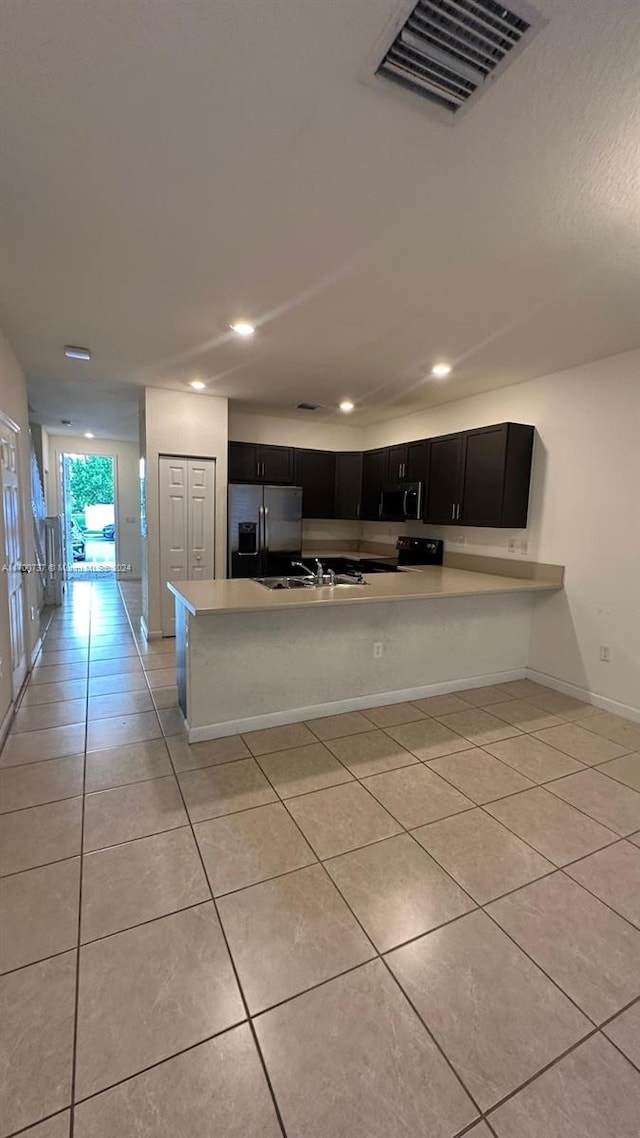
250, 913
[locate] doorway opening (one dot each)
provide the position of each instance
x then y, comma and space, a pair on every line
88, 504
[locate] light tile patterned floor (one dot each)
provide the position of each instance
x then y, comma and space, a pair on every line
419, 921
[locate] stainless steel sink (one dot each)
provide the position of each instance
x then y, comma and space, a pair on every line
341, 581
285, 582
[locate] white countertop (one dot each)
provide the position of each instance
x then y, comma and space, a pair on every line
415, 584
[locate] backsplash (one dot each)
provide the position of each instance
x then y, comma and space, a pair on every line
380, 537
513, 544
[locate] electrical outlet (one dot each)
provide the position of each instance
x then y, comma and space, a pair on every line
512, 547
377, 649
605, 653
524, 546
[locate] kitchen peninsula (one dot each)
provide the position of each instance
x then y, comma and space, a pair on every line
250, 658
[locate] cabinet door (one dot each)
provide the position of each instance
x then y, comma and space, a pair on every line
243, 462
416, 462
276, 464
374, 476
443, 479
315, 471
483, 476
396, 462
348, 484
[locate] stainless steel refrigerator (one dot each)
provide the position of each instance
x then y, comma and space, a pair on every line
265, 529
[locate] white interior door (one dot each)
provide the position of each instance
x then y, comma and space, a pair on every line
186, 526
200, 521
13, 552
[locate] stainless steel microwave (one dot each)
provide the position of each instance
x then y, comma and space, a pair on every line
401, 502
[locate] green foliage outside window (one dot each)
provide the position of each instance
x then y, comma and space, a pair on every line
90, 482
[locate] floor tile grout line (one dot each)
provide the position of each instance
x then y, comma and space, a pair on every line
40, 1122
482, 909
635, 1064
621, 838
41, 865
76, 1017
379, 956
153, 1066
479, 806
476, 905
584, 812
120, 786
231, 959
538, 1074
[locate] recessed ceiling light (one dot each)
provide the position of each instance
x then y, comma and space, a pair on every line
441, 371
76, 353
197, 385
243, 328
89, 435
346, 406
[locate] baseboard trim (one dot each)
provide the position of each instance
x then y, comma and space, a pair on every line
338, 707
600, 701
148, 635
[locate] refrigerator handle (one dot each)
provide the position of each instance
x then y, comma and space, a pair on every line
266, 528
260, 529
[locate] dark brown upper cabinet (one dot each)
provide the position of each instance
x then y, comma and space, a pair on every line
407, 462
315, 471
348, 484
375, 465
443, 479
480, 477
473, 478
259, 462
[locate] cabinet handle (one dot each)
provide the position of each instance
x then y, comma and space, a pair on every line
458, 512
453, 512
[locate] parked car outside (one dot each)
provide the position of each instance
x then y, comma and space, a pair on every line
77, 543
109, 533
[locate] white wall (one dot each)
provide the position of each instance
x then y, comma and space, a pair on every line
584, 513
301, 432
13, 403
189, 424
127, 465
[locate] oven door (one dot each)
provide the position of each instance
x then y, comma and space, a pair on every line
401, 502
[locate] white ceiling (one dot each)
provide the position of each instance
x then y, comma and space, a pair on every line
169, 165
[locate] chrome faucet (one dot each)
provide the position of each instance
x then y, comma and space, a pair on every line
319, 576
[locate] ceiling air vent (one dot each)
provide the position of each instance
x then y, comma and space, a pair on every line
447, 50
308, 407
